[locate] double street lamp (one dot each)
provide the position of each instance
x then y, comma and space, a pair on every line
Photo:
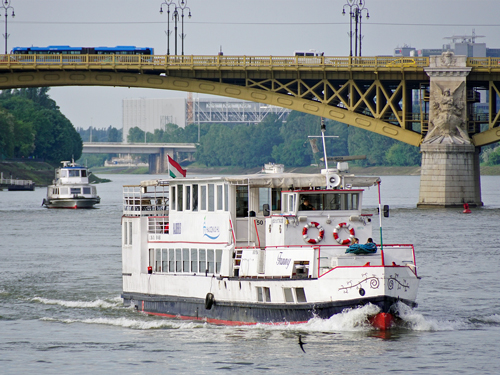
6, 6
178, 11
356, 10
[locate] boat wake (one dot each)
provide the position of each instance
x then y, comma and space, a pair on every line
134, 323
99, 303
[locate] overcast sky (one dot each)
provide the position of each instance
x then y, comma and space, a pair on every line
241, 27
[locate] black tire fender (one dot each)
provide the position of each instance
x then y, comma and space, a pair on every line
209, 301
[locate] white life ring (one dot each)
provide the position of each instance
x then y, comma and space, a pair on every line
313, 240
336, 235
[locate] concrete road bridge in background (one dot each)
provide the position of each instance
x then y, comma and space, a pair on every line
401, 98
157, 151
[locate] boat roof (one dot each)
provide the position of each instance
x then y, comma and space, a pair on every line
273, 180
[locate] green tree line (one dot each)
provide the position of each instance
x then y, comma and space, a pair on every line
252, 145
31, 126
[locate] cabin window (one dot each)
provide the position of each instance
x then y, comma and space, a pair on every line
226, 197
151, 262
195, 197
210, 261
263, 294
171, 260
203, 261
185, 260
241, 201
173, 191
211, 192
86, 190
301, 295
203, 197
164, 260
74, 173
288, 294
194, 260
130, 233
188, 198
179, 197
75, 190
125, 239
84, 173
178, 262
158, 261
219, 198
276, 199
218, 260
291, 203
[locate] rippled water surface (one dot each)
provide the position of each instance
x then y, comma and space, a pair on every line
61, 312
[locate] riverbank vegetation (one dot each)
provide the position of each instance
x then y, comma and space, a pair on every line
32, 126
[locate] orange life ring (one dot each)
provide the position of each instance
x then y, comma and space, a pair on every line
313, 240
336, 235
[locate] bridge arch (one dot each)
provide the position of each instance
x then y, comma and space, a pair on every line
212, 87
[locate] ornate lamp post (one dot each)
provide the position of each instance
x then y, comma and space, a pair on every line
361, 8
167, 3
350, 4
183, 6
175, 17
356, 8
6, 6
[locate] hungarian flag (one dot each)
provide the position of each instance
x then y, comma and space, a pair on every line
174, 169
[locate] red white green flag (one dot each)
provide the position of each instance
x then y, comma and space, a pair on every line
174, 169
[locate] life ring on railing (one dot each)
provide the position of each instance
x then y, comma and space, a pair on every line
313, 240
165, 229
336, 235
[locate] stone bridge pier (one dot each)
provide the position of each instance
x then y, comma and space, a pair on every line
158, 163
450, 174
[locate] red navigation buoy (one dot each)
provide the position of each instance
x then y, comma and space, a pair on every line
466, 209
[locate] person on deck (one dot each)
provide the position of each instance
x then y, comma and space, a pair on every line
305, 205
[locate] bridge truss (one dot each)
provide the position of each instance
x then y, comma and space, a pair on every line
385, 95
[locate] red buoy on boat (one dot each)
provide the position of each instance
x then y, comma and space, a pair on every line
382, 321
466, 209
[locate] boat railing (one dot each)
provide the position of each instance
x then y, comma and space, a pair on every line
396, 255
136, 202
158, 225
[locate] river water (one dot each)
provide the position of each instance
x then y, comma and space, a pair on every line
61, 312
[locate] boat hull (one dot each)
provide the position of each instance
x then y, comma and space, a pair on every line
240, 313
71, 203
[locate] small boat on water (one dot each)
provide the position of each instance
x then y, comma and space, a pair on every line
271, 248
71, 188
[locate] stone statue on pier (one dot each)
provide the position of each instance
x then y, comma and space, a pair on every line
447, 117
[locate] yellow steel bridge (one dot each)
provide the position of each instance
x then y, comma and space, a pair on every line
385, 95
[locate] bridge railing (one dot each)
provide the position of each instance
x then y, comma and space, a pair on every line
216, 62
156, 62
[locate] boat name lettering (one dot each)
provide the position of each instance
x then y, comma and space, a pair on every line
277, 220
176, 228
283, 261
210, 231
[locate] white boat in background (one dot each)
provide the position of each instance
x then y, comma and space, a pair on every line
245, 249
71, 188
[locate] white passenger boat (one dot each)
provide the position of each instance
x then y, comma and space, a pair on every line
71, 188
245, 250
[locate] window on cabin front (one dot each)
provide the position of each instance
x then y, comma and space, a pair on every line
195, 197
188, 198
74, 173
241, 201
179, 197
219, 198
211, 197
203, 197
